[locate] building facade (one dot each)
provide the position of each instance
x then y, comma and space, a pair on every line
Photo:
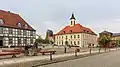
75, 34
114, 37
14, 31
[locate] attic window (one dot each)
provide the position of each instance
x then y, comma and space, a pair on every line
26, 26
63, 31
87, 31
19, 24
1, 21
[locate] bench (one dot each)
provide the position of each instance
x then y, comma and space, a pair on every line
21, 51
74, 46
46, 51
9, 53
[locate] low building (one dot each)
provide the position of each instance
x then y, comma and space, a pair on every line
14, 30
114, 37
75, 34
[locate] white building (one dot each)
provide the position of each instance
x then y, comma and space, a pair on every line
14, 31
75, 34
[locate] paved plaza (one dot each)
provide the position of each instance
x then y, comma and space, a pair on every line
111, 59
28, 61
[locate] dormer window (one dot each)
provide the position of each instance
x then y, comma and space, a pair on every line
63, 31
84, 30
26, 26
19, 24
1, 21
70, 31
87, 31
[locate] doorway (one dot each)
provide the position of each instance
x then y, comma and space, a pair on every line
1, 42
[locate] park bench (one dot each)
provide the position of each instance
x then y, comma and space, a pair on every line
9, 53
74, 46
47, 51
21, 51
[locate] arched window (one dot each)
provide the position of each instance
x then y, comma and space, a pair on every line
71, 22
1, 21
26, 26
19, 24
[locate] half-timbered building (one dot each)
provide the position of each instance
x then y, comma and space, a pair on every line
14, 30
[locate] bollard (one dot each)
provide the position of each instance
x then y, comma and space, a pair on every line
75, 52
116, 47
51, 56
105, 49
99, 49
65, 50
90, 50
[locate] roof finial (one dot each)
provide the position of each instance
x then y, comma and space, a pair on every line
72, 17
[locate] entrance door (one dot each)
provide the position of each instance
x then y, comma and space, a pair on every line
1, 42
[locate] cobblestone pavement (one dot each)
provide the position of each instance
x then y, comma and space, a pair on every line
111, 59
58, 49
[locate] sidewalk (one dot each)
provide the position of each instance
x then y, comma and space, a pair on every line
34, 60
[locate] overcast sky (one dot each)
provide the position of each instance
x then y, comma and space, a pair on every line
98, 15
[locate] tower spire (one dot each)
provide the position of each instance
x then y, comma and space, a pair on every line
72, 17
72, 20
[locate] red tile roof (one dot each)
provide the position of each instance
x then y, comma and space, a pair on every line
75, 29
12, 19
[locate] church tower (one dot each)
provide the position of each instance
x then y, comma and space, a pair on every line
72, 20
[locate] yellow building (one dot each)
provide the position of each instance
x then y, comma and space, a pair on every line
75, 34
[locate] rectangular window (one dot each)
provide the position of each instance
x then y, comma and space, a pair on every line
19, 32
31, 33
10, 31
31, 41
1, 30
10, 40
66, 37
74, 36
71, 42
62, 37
24, 32
71, 36
78, 42
25, 41
19, 41
62, 42
78, 36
